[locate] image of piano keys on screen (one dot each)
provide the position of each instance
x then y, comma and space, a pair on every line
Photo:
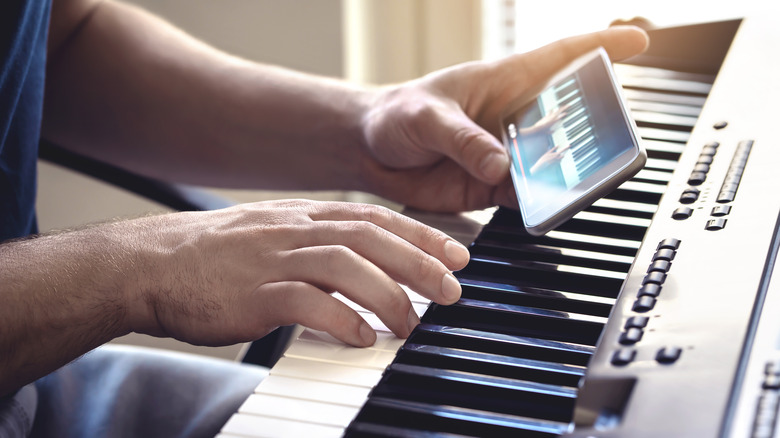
554, 142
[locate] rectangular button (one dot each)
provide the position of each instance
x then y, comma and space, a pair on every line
715, 224
724, 197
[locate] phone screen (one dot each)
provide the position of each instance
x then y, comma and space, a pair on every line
574, 136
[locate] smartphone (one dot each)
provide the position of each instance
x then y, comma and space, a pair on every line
570, 143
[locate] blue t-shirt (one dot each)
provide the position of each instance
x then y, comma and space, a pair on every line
23, 32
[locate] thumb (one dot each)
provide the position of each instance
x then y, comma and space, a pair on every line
477, 151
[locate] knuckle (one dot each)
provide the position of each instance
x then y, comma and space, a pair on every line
338, 258
360, 229
397, 299
375, 214
467, 140
419, 117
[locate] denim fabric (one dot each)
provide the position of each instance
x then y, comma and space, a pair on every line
122, 391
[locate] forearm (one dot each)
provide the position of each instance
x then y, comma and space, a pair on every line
130, 89
62, 295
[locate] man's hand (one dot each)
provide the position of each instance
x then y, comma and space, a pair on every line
216, 278
234, 275
433, 141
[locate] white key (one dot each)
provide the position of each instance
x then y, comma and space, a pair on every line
414, 297
326, 372
347, 395
294, 409
384, 340
419, 302
374, 322
343, 354
256, 426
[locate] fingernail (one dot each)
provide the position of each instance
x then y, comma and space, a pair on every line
367, 334
456, 253
450, 288
495, 164
412, 320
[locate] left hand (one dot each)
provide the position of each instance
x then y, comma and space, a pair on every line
433, 141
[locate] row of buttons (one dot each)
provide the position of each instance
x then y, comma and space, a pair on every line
699, 173
765, 420
734, 175
656, 275
728, 190
647, 295
698, 176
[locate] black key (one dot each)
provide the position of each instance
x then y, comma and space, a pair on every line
517, 320
501, 344
382, 416
489, 364
475, 391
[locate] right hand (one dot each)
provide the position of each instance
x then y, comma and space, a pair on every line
433, 143
234, 275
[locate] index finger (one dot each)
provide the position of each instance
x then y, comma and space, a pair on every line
620, 42
434, 242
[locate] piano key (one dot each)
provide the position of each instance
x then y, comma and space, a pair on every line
403, 418
652, 175
328, 414
505, 226
577, 127
626, 208
646, 83
346, 395
326, 372
636, 191
580, 150
463, 227
535, 268
629, 245
374, 322
613, 219
500, 343
660, 164
379, 326
584, 134
627, 70
418, 304
553, 256
260, 426
663, 121
549, 299
553, 299
651, 96
518, 320
458, 359
384, 340
340, 354
642, 187
552, 253
664, 108
414, 297
663, 134
592, 226
476, 391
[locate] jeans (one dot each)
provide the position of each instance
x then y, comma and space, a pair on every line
122, 391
